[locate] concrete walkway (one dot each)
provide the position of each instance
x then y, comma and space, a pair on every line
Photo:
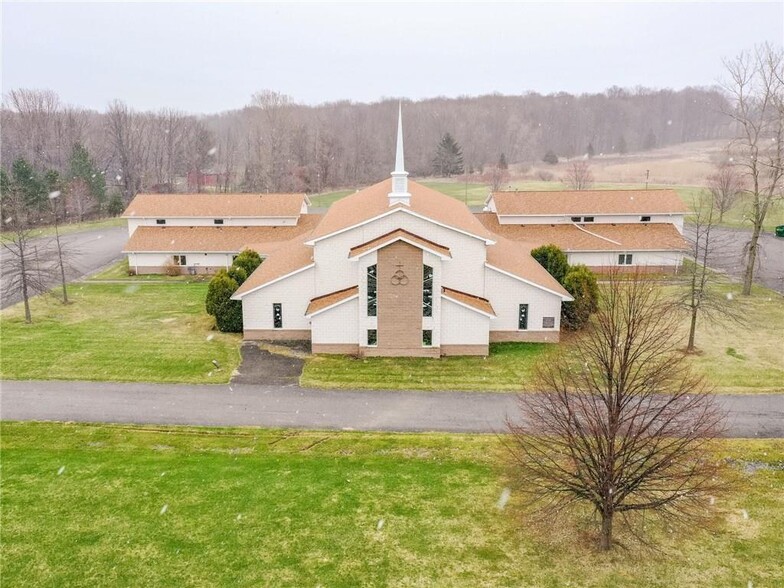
760, 416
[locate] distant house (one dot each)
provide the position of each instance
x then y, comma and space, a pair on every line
598, 228
198, 180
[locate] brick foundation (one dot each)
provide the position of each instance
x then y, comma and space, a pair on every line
276, 335
336, 348
183, 270
465, 350
399, 352
525, 336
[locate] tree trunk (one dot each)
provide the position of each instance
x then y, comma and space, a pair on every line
692, 329
28, 315
605, 541
751, 260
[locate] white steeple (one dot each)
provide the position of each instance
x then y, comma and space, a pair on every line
399, 193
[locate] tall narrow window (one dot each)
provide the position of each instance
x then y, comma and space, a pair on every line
277, 315
372, 337
372, 282
427, 338
522, 317
427, 291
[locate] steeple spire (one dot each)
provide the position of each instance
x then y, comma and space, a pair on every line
399, 193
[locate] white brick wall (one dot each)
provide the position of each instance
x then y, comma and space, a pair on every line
507, 294
462, 326
336, 325
294, 293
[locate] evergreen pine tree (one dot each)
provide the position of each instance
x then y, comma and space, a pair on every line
83, 169
448, 160
550, 157
30, 185
502, 164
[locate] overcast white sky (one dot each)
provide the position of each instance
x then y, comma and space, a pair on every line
207, 57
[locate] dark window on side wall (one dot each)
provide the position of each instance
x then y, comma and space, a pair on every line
587, 219
427, 291
576, 219
625, 259
427, 338
548, 322
372, 337
160, 221
372, 281
180, 260
522, 317
645, 219
217, 221
277, 315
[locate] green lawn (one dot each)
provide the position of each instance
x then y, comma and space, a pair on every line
509, 367
327, 198
155, 332
88, 505
746, 357
74, 227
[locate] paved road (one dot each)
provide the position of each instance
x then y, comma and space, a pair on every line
91, 250
759, 416
729, 255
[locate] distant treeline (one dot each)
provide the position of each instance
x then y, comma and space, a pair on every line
274, 144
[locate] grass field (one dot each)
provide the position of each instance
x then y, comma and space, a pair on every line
736, 358
508, 368
125, 506
747, 357
74, 227
156, 332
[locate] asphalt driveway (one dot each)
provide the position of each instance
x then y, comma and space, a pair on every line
89, 251
755, 416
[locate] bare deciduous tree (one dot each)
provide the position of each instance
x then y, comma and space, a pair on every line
623, 426
579, 176
725, 186
756, 86
701, 296
27, 272
127, 131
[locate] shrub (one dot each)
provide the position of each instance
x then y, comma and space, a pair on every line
581, 283
171, 269
238, 274
115, 206
553, 259
248, 260
227, 312
544, 176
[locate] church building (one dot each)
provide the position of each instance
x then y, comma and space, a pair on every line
400, 269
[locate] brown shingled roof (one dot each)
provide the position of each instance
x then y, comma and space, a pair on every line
216, 239
371, 202
592, 237
515, 258
326, 300
476, 302
291, 256
589, 202
394, 236
215, 205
